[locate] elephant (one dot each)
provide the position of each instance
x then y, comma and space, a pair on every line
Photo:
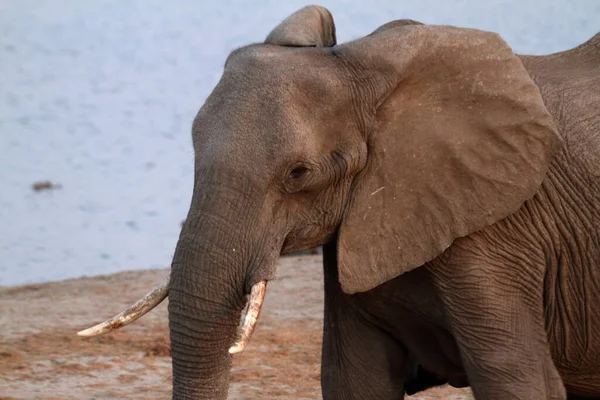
453, 184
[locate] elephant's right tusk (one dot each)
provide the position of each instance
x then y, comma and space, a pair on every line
249, 319
141, 307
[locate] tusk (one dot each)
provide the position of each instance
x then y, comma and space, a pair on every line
141, 307
249, 319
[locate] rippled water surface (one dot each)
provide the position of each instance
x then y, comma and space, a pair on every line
99, 96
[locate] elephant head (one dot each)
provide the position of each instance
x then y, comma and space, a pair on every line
393, 145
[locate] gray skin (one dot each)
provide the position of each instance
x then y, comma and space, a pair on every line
454, 185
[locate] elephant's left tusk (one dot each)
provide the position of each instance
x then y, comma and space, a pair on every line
246, 328
135, 311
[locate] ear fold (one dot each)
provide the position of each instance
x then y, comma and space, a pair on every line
461, 138
309, 26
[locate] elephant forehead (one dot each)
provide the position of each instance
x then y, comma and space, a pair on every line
269, 90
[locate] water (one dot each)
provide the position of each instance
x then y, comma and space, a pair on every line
99, 97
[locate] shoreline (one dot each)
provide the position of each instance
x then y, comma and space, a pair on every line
41, 357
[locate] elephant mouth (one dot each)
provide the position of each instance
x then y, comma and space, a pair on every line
248, 320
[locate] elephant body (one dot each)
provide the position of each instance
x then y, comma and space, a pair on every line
454, 186
568, 205
550, 248
508, 305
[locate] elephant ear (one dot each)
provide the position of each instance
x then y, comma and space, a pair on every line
311, 26
459, 139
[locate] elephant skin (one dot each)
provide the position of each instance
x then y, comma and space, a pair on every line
454, 186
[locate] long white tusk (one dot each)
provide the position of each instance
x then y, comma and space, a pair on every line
141, 307
248, 323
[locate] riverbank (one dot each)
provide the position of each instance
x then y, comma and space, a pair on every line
41, 357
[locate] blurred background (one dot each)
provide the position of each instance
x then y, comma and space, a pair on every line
97, 100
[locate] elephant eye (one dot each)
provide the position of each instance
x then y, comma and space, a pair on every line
298, 172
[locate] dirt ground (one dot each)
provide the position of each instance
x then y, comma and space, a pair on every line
42, 358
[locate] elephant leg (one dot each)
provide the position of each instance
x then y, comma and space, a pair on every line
359, 359
494, 302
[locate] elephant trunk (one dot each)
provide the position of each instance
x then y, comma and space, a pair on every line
221, 256
212, 271
205, 303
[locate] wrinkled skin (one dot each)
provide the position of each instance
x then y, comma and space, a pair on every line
458, 208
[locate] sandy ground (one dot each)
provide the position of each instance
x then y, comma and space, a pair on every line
42, 358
